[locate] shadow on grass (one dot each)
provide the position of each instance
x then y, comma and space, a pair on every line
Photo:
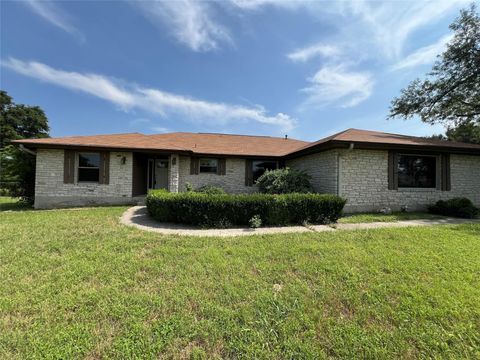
13, 204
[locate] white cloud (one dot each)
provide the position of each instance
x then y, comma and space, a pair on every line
309, 52
55, 15
191, 22
160, 129
92, 84
424, 55
390, 24
335, 84
165, 104
257, 4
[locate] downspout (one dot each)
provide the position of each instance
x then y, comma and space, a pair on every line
24, 149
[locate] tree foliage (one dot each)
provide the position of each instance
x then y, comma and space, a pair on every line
465, 132
450, 93
17, 168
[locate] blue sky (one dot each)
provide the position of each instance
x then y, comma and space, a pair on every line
307, 69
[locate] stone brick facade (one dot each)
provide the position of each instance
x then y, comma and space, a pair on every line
361, 176
232, 182
363, 180
322, 167
50, 191
174, 173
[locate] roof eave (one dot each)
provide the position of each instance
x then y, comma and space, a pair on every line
343, 144
32, 145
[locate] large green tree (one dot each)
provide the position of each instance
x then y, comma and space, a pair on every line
17, 167
450, 93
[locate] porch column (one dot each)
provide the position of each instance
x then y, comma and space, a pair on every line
174, 170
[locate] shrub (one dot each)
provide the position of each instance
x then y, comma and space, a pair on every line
210, 190
206, 189
284, 181
459, 207
255, 222
223, 210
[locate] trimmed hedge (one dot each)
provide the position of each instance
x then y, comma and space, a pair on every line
458, 207
224, 210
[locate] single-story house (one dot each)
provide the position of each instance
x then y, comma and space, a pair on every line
370, 169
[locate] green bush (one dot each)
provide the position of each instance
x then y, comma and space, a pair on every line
284, 181
210, 190
223, 210
206, 189
255, 222
458, 207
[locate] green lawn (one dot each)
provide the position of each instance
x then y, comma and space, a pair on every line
396, 216
77, 284
8, 203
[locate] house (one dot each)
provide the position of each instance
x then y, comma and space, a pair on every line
370, 169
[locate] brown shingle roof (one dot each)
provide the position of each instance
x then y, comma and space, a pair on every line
222, 144
245, 145
200, 143
371, 138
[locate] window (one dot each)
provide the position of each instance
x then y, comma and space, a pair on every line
260, 166
88, 167
416, 171
208, 165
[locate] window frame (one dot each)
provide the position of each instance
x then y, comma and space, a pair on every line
277, 166
209, 159
416, 187
88, 167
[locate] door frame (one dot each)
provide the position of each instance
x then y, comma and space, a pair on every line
151, 171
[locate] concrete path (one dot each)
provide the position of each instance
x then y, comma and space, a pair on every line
137, 216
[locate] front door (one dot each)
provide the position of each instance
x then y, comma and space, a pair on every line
161, 174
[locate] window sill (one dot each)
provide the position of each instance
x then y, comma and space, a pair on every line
417, 189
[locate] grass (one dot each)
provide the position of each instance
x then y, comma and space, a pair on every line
12, 204
77, 284
377, 217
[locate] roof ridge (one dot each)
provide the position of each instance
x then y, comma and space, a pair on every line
225, 134
84, 136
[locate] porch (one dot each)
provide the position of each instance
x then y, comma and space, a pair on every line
154, 171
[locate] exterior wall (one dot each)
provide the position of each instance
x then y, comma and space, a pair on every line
322, 167
232, 182
50, 191
363, 181
173, 173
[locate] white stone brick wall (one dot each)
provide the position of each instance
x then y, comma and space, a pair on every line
232, 182
322, 167
174, 173
364, 182
50, 191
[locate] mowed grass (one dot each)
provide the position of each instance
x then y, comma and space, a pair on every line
394, 217
12, 204
77, 284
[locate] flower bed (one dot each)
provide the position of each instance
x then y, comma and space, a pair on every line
224, 210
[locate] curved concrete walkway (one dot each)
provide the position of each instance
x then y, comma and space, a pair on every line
137, 216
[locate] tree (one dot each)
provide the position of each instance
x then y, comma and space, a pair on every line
465, 132
17, 168
450, 94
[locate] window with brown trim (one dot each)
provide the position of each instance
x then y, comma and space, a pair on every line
208, 165
416, 171
88, 167
260, 166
